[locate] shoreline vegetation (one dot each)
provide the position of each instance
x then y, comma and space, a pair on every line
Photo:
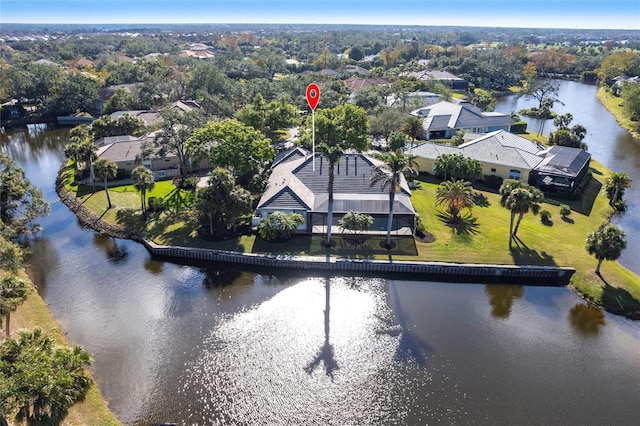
617, 290
34, 313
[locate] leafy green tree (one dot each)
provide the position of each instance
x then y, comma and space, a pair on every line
177, 129
74, 94
565, 210
519, 198
615, 186
279, 225
356, 53
126, 125
120, 101
606, 243
11, 256
386, 122
21, 203
456, 195
483, 100
230, 143
13, 292
105, 169
222, 202
631, 97
39, 380
397, 141
143, 181
617, 64
389, 174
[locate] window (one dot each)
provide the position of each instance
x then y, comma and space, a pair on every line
493, 170
161, 173
514, 174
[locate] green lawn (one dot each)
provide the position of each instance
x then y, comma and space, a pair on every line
484, 239
614, 105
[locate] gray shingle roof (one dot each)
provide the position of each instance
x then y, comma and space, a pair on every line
295, 184
447, 115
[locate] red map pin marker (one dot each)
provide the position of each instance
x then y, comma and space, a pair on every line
313, 95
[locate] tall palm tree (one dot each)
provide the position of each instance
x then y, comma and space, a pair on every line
519, 198
457, 195
105, 169
332, 153
615, 186
389, 174
143, 181
606, 242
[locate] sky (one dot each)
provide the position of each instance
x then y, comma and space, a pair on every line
585, 14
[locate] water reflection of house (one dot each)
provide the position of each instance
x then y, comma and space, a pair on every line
509, 156
294, 186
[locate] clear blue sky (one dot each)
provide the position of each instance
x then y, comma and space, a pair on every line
607, 14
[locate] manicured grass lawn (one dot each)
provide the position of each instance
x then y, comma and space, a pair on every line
483, 239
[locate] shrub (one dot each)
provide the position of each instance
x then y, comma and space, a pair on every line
565, 210
493, 181
189, 183
155, 204
545, 216
279, 225
519, 127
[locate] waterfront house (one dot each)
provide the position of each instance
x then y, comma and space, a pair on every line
444, 119
294, 186
445, 77
509, 156
125, 151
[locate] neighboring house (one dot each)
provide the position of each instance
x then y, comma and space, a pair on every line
357, 83
355, 69
444, 119
509, 156
125, 152
444, 77
84, 62
415, 98
149, 117
294, 186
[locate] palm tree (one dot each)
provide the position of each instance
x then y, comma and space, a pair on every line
412, 127
615, 186
104, 169
13, 292
332, 153
49, 378
519, 198
390, 174
143, 181
457, 195
606, 242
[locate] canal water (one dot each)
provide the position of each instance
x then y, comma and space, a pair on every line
201, 346
610, 144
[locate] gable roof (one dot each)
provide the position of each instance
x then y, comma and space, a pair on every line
294, 184
355, 83
434, 75
447, 115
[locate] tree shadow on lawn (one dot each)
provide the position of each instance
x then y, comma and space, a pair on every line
131, 219
523, 255
584, 203
463, 228
618, 300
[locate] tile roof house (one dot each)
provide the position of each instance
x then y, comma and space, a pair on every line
444, 119
294, 186
509, 156
356, 83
